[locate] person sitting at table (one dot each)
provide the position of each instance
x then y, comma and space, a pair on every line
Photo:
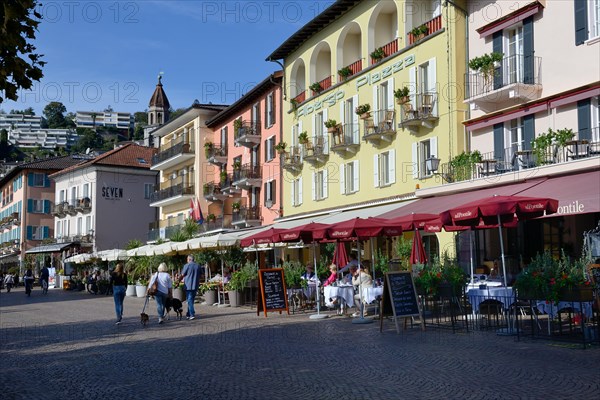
333, 276
360, 280
311, 278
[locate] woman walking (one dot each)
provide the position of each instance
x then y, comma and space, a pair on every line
118, 279
165, 289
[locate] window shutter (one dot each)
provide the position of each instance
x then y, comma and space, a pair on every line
497, 39
294, 184
356, 176
433, 147
412, 79
314, 186
266, 191
45, 232
375, 113
46, 181
415, 161
29, 205
499, 141
584, 119
47, 206
343, 178
392, 162
325, 183
581, 21
376, 169
528, 131
390, 94
325, 134
355, 131
30, 179
528, 52
300, 190
314, 130
266, 116
274, 191
267, 150
296, 140
29, 232
273, 114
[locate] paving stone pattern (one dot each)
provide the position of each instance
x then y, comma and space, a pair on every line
65, 345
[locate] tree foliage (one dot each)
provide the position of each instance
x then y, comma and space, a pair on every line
87, 139
54, 112
20, 65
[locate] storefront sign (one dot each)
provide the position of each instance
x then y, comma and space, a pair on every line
112, 193
574, 207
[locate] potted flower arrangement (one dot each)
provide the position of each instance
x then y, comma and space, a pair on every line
237, 165
427, 278
178, 290
401, 95
362, 110
208, 290
486, 64
419, 32
316, 87
280, 147
303, 137
131, 291
208, 148
223, 176
236, 206
378, 54
331, 125
345, 72
211, 217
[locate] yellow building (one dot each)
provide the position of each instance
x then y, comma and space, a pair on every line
358, 53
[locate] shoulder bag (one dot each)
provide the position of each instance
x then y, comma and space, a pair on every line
153, 290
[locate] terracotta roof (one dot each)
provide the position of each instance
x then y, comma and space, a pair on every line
159, 98
269, 82
321, 21
130, 155
46, 164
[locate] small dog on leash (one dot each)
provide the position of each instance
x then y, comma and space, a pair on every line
176, 305
144, 319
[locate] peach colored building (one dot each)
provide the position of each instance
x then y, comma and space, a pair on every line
243, 181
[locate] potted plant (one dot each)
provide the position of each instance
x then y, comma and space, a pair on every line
331, 125
378, 54
541, 147
178, 290
362, 110
236, 206
208, 148
401, 95
292, 271
463, 165
427, 278
303, 137
345, 72
208, 290
211, 217
223, 176
294, 103
131, 291
237, 165
234, 288
486, 65
419, 32
237, 125
316, 87
562, 136
280, 147
141, 287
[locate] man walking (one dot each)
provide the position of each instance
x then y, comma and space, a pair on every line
191, 279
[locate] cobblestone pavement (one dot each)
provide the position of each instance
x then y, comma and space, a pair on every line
66, 345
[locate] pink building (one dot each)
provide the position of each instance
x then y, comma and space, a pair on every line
243, 181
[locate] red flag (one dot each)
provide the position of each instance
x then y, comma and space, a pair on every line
192, 209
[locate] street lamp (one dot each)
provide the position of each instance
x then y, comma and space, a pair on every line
432, 164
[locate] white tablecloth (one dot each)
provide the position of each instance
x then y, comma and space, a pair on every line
552, 310
502, 294
370, 294
345, 292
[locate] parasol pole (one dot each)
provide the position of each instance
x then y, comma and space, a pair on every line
502, 250
471, 240
318, 315
372, 261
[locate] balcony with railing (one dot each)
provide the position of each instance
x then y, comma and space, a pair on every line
246, 217
83, 205
216, 154
10, 221
388, 49
216, 224
433, 25
165, 228
353, 69
247, 133
58, 210
516, 77
176, 152
420, 110
247, 177
324, 84
172, 194
227, 186
212, 192
300, 97
316, 150
381, 126
292, 160
345, 139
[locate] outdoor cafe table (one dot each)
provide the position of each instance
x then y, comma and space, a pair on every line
371, 294
552, 309
346, 293
505, 295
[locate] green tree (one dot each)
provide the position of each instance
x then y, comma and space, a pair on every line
55, 114
27, 111
88, 139
141, 117
20, 65
175, 113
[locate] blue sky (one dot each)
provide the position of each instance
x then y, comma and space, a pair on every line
102, 53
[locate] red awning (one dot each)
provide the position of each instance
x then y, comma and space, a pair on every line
435, 205
576, 194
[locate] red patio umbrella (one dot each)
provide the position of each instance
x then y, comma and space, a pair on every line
499, 210
417, 253
263, 237
340, 257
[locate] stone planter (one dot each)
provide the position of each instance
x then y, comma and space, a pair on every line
210, 297
179, 294
235, 298
140, 290
130, 291
576, 293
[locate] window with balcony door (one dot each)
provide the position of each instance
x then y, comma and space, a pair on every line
421, 151
270, 194
86, 190
349, 178
270, 149
350, 120
88, 225
36, 206
515, 135
59, 233
270, 110
595, 110
79, 226
224, 139
383, 100
296, 192
255, 117
513, 38
321, 138
320, 185
384, 168
587, 20
37, 232
423, 80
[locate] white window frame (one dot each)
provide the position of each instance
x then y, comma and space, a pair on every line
319, 185
79, 226
269, 193
37, 206
37, 232
593, 19
270, 148
595, 113
384, 166
420, 152
88, 224
349, 178
36, 177
270, 100
59, 229
297, 192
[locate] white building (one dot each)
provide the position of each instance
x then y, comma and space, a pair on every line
114, 119
20, 121
45, 138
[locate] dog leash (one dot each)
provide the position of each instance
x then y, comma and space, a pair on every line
145, 304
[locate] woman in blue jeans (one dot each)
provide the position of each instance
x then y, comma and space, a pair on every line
119, 283
165, 289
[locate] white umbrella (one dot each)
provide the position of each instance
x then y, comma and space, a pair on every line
218, 240
145, 250
182, 246
112, 255
161, 249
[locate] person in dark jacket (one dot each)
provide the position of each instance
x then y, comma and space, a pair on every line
118, 279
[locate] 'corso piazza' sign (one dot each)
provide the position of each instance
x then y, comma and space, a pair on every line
371, 78
112, 193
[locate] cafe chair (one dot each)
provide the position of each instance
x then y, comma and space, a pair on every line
503, 167
491, 308
370, 126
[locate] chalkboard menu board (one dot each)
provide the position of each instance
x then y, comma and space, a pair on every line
400, 297
272, 291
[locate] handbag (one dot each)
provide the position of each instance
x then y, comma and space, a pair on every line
153, 290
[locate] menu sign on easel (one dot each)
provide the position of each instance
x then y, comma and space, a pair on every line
400, 297
272, 295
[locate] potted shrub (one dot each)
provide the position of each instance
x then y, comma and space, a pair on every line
401, 95
141, 287
131, 291
345, 72
419, 32
280, 147
208, 290
237, 165
562, 136
378, 54
362, 110
303, 137
235, 287
236, 206
211, 217
331, 125
208, 148
223, 176
486, 65
237, 125
463, 165
541, 147
178, 290
316, 87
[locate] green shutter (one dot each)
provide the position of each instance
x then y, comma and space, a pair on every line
497, 39
581, 21
29, 205
30, 179
499, 141
46, 206
528, 131
528, 52
584, 119
46, 181
29, 232
45, 232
